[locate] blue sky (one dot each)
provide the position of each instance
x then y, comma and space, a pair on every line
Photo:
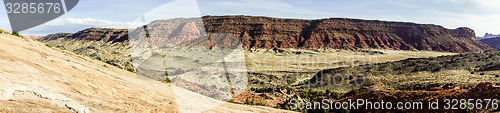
480, 15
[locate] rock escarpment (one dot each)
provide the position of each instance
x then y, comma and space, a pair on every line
342, 33
267, 32
112, 45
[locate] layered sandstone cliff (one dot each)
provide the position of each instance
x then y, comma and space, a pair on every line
342, 33
267, 32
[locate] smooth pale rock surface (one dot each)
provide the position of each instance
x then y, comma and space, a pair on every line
37, 78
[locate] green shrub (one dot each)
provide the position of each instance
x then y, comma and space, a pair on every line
345, 111
231, 100
131, 70
15, 33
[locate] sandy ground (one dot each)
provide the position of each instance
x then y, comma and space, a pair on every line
36, 78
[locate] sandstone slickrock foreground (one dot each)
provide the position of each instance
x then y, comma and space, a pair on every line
36, 78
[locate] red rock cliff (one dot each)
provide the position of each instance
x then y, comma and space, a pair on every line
267, 32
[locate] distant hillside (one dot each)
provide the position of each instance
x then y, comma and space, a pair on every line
37, 78
493, 41
267, 32
444, 69
488, 35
